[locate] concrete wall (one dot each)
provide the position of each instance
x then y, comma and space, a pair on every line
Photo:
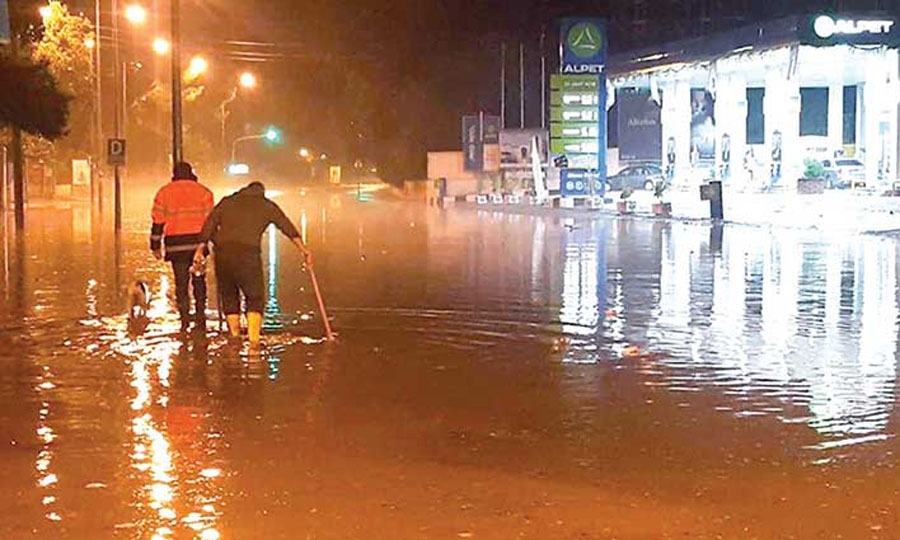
449, 165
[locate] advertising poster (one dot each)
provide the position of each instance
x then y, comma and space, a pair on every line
5, 35
491, 140
473, 149
703, 126
640, 129
81, 172
515, 147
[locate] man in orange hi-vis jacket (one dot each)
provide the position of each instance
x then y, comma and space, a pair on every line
179, 211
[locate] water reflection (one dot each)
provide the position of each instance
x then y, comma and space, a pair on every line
584, 288
784, 325
173, 447
272, 313
784, 321
47, 478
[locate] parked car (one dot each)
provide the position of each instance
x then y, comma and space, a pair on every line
843, 173
636, 177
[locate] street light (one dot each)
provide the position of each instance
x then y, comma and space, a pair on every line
271, 135
161, 46
46, 12
197, 67
304, 153
248, 80
136, 14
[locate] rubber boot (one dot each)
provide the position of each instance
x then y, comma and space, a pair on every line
254, 327
234, 325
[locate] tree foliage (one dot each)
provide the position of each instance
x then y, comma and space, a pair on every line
64, 49
31, 99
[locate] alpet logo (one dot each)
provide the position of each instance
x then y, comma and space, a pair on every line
585, 40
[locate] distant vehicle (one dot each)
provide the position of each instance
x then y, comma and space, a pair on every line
636, 177
844, 173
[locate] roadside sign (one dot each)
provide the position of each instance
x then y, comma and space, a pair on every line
5, 35
334, 174
115, 152
577, 183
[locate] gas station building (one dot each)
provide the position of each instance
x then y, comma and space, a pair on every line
748, 107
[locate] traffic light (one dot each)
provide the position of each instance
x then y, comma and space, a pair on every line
273, 135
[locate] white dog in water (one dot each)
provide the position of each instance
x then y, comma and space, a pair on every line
138, 303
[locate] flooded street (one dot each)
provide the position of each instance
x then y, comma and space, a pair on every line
497, 376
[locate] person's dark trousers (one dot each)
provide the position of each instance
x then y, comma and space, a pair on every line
184, 279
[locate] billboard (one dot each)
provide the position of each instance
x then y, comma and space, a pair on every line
577, 183
584, 45
481, 139
578, 121
5, 35
81, 172
490, 137
703, 126
515, 147
473, 148
640, 128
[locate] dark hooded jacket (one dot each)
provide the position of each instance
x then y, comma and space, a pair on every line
239, 220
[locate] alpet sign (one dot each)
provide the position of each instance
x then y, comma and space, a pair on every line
826, 26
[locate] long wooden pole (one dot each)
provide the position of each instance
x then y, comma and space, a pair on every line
315, 283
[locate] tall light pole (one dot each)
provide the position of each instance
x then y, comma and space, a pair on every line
177, 143
96, 191
117, 117
136, 15
248, 81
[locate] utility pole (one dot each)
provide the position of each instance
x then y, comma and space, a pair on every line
18, 160
521, 85
120, 89
503, 86
177, 142
223, 112
543, 82
98, 106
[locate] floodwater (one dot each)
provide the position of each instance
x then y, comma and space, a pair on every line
496, 376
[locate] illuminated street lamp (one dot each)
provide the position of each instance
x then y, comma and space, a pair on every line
161, 46
197, 67
46, 12
248, 80
136, 14
271, 135
304, 153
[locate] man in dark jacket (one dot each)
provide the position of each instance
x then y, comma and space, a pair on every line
179, 212
235, 227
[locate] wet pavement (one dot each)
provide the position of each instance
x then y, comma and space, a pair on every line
496, 376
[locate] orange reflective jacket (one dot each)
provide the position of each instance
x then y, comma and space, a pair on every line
179, 212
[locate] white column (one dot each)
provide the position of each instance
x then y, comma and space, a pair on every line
892, 70
880, 117
835, 118
676, 124
731, 120
782, 111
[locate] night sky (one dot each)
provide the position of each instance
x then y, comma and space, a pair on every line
388, 80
